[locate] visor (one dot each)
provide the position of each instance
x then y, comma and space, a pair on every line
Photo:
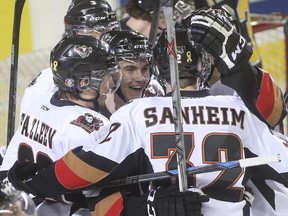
98, 28
106, 81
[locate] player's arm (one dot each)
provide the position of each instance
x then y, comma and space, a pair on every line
80, 168
161, 201
270, 102
85, 166
259, 92
211, 29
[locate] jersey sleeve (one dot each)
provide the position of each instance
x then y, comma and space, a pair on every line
259, 92
270, 101
84, 166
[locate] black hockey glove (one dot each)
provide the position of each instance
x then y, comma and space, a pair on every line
19, 173
170, 202
213, 31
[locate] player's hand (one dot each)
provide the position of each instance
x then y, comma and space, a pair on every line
170, 202
213, 31
20, 173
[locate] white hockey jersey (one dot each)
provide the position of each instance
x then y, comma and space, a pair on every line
42, 84
141, 139
49, 128
216, 129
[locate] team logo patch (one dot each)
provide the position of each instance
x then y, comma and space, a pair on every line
69, 83
88, 122
83, 50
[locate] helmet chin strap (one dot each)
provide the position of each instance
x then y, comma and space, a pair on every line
120, 95
93, 100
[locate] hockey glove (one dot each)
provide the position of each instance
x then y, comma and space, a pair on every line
19, 173
170, 202
213, 31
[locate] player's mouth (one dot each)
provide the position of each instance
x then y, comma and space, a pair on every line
136, 90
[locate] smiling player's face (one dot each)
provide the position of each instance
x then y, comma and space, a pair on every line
135, 76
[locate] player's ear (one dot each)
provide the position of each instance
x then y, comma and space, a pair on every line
84, 82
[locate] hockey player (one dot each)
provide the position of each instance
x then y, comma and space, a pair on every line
239, 13
260, 93
267, 99
140, 15
84, 18
83, 68
95, 18
135, 54
139, 18
216, 128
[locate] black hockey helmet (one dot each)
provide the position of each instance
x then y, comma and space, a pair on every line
96, 15
15, 202
81, 57
187, 55
129, 44
192, 60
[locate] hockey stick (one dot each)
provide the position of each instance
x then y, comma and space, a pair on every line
167, 7
19, 4
286, 38
243, 163
154, 23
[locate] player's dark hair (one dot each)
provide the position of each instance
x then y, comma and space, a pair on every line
134, 10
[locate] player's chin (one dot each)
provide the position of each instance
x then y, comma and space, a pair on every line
134, 93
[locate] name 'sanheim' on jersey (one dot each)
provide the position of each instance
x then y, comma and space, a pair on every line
37, 130
204, 115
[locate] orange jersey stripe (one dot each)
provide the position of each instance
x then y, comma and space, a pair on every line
110, 206
269, 102
78, 173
